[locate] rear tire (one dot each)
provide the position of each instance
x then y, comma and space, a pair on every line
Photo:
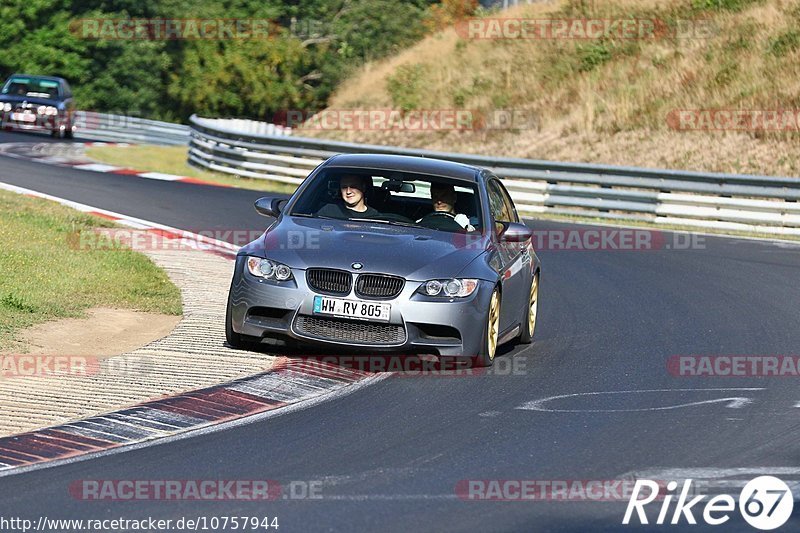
529, 324
491, 332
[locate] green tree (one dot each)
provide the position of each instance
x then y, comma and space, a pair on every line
312, 47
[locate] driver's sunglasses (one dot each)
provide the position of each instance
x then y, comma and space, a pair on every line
440, 196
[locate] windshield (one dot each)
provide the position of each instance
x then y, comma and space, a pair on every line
392, 197
31, 87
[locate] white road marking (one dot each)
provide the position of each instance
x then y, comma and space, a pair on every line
97, 167
719, 480
160, 176
384, 497
734, 402
660, 472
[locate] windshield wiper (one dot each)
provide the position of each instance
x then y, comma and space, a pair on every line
392, 222
309, 215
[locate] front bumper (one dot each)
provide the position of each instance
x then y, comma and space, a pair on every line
418, 324
42, 124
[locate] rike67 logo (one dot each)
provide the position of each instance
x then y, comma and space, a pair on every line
765, 503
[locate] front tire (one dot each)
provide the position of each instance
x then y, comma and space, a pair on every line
529, 324
234, 340
491, 332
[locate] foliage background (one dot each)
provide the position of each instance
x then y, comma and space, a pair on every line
316, 44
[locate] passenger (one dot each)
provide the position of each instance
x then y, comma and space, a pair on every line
444, 210
354, 204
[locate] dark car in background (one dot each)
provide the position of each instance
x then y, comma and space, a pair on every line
38, 103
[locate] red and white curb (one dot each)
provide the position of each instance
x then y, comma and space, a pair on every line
72, 155
290, 383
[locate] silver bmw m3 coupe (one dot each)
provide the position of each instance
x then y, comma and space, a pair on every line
387, 253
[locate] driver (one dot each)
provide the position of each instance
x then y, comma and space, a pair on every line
444, 211
352, 188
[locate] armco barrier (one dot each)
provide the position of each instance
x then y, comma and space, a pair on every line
121, 128
723, 201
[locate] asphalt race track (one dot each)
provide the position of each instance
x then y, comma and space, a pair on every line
388, 457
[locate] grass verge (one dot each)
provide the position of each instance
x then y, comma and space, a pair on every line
44, 278
172, 160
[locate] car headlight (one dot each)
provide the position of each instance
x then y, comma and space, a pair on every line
449, 288
50, 110
6, 107
264, 268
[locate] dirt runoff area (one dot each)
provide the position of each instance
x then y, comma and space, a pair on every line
103, 333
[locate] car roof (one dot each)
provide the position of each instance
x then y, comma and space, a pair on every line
35, 76
404, 163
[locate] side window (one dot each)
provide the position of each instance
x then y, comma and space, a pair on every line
510, 209
498, 206
66, 91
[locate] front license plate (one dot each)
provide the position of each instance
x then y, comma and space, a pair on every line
23, 117
351, 309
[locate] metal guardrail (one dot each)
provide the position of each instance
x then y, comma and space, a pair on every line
722, 201
120, 128
247, 126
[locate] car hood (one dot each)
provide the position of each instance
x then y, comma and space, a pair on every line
415, 254
14, 99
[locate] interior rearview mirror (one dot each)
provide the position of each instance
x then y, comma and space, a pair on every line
398, 186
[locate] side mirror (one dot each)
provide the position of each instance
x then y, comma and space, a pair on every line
269, 206
516, 232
